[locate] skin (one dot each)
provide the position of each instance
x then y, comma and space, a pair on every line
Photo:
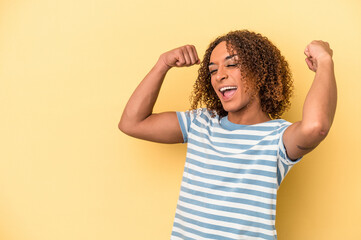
319, 106
138, 119
240, 107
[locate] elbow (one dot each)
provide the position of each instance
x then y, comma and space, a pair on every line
122, 126
317, 130
128, 128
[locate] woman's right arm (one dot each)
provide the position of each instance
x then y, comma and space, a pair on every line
138, 119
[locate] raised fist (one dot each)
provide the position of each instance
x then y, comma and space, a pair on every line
180, 57
317, 51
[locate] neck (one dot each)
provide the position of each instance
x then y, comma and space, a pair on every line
249, 115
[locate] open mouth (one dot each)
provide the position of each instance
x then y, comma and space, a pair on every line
228, 91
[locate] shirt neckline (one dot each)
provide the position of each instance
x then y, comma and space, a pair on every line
225, 123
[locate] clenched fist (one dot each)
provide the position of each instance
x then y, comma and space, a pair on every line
180, 57
317, 51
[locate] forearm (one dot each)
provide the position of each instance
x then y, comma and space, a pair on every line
320, 104
141, 103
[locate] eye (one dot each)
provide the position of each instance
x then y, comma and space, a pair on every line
231, 65
213, 71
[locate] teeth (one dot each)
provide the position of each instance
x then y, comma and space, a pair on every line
226, 88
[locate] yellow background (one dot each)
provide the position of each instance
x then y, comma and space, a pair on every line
67, 69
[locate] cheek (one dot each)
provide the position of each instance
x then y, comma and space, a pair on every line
213, 86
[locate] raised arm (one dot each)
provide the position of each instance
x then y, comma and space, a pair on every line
138, 119
320, 104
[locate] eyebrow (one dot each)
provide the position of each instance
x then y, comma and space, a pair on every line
226, 58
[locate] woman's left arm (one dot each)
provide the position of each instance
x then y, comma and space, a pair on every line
320, 104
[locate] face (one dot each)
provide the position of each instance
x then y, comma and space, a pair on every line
226, 80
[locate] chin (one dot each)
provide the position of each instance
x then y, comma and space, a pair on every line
231, 108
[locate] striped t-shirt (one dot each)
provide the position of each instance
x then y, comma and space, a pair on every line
231, 176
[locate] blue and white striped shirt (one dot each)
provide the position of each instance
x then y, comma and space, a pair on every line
231, 176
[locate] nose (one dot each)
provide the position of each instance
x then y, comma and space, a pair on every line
221, 73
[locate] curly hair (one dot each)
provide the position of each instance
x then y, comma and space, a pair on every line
264, 69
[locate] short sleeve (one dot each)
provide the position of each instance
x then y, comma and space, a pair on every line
184, 119
282, 150
284, 162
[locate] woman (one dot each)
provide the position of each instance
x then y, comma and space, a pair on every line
239, 150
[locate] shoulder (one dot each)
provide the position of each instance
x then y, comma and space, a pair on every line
200, 118
280, 124
273, 127
203, 113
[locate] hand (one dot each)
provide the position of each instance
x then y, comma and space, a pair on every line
180, 57
317, 51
